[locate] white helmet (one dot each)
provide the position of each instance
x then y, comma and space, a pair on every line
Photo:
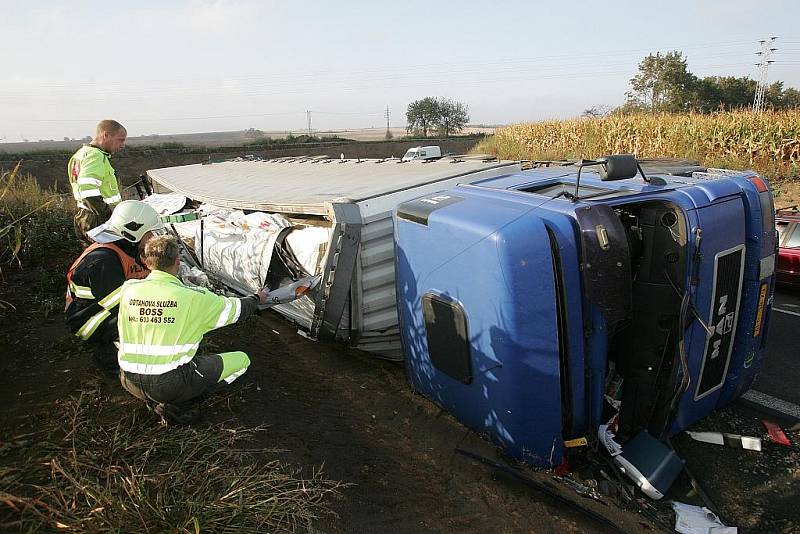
131, 220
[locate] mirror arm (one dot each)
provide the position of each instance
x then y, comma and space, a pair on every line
578, 178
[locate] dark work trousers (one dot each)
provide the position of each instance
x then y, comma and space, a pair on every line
104, 351
190, 382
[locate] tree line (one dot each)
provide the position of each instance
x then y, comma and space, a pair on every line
665, 84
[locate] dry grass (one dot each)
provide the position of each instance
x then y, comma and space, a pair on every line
102, 466
35, 223
768, 143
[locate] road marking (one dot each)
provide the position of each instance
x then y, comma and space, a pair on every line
774, 403
786, 311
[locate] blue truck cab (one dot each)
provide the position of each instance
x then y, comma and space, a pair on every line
534, 306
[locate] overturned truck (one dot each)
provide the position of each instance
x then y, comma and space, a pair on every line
263, 221
531, 304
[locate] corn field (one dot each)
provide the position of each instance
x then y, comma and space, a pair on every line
767, 142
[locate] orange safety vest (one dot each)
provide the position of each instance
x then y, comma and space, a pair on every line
130, 267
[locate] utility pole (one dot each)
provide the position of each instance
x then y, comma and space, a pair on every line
308, 116
764, 61
388, 131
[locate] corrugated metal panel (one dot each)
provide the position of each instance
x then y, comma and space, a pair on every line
386, 346
313, 188
377, 322
308, 186
299, 311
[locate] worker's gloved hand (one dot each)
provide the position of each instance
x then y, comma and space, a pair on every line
263, 295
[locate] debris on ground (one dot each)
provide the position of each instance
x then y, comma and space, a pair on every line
776, 433
729, 440
691, 519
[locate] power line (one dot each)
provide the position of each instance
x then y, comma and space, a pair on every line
764, 61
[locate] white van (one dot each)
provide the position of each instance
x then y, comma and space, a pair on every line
423, 152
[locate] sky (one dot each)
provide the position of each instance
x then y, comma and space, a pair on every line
185, 66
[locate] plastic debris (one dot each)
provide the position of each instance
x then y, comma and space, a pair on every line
730, 440
651, 465
776, 433
193, 276
698, 520
606, 437
577, 442
291, 291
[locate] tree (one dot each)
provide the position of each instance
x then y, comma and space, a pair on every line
440, 114
421, 115
453, 116
663, 83
723, 92
596, 112
790, 98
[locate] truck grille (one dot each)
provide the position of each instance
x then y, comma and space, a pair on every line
723, 319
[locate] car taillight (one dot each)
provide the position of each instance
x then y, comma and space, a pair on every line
760, 184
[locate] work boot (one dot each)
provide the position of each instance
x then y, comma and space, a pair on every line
176, 414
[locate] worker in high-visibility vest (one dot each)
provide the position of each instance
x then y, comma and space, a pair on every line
95, 278
161, 324
93, 180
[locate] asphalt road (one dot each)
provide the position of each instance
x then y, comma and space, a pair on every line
780, 375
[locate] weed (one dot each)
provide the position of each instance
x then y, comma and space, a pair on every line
102, 466
35, 224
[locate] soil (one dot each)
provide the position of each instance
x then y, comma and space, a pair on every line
354, 416
786, 194
324, 406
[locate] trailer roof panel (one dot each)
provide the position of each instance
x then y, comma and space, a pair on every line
306, 185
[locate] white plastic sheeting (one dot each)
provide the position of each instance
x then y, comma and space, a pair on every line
237, 248
309, 244
166, 203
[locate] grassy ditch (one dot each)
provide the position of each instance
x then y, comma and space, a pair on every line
97, 465
768, 142
35, 223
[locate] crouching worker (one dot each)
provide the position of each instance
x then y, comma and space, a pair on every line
161, 323
95, 278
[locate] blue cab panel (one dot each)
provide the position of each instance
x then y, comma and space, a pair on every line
493, 274
520, 304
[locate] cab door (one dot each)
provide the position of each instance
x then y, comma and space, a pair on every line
479, 316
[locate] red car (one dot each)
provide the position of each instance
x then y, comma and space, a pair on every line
787, 221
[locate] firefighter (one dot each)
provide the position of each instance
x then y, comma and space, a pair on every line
94, 183
95, 278
161, 324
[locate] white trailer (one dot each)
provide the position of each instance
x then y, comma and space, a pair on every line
354, 201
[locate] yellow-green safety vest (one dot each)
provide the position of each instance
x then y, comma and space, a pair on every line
91, 175
161, 322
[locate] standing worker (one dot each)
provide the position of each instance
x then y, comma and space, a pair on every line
94, 183
161, 324
95, 278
